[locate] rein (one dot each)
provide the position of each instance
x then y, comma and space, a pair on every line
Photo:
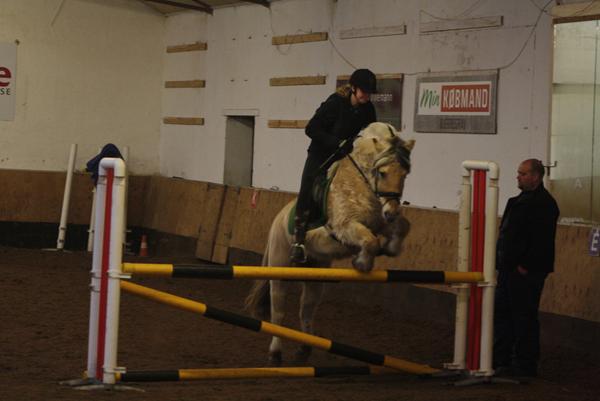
388, 195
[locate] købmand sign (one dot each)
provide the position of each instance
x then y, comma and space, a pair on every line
468, 98
463, 103
8, 64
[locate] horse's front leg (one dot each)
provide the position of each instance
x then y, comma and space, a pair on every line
278, 292
356, 234
311, 297
392, 237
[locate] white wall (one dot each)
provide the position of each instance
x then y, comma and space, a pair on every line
240, 60
575, 100
88, 72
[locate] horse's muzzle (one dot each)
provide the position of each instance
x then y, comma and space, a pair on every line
390, 216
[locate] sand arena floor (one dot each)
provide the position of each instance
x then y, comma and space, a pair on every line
43, 340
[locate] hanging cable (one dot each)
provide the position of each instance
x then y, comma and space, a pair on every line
338, 51
467, 11
533, 28
505, 66
58, 10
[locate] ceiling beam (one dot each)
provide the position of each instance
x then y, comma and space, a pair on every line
265, 3
203, 4
200, 7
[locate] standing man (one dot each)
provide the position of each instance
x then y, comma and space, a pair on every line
525, 256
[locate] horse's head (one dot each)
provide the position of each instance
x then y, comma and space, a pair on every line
389, 164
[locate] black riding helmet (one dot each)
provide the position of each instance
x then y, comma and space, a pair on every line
364, 80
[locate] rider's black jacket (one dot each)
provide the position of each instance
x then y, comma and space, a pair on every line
335, 120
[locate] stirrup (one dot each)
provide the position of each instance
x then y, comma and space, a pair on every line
298, 253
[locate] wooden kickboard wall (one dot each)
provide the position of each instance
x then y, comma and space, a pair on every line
32, 196
572, 289
137, 188
255, 211
431, 243
221, 217
227, 214
185, 208
37, 196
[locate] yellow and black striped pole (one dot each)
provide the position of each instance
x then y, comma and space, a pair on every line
249, 373
279, 331
230, 272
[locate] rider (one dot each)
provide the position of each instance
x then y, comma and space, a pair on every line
332, 130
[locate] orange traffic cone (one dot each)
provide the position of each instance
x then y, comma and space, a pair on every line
144, 246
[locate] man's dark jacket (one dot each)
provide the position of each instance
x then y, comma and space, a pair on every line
527, 232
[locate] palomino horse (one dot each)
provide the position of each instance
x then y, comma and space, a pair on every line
363, 220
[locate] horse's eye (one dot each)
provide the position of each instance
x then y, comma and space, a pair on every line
381, 174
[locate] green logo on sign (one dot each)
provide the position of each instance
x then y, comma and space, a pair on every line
429, 98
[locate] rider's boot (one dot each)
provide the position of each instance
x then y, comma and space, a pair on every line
298, 251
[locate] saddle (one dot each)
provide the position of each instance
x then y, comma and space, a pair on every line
318, 213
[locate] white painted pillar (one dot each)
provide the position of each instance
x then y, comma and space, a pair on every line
98, 236
489, 263
463, 290
92, 229
114, 266
489, 273
108, 340
64, 214
126, 158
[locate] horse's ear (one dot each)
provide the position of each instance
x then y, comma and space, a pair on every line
410, 144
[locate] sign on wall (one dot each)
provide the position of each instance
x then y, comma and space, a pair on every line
8, 70
388, 99
461, 103
595, 241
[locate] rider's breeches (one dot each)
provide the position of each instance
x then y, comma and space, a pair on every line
309, 174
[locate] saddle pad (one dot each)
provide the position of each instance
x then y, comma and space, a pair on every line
318, 216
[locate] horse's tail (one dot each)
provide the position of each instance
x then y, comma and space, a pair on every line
258, 301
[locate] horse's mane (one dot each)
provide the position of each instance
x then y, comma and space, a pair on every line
403, 156
388, 148
391, 148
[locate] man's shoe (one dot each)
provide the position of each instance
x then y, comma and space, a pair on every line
297, 253
504, 371
521, 371
515, 372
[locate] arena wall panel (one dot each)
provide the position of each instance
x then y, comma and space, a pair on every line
220, 219
225, 226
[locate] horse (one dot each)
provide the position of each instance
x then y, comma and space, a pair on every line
363, 209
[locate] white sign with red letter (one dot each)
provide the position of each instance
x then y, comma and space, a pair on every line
595, 241
462, 103
455, 98
8, 80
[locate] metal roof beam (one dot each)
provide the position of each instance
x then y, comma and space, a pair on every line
265, 3
205, 5
200, 7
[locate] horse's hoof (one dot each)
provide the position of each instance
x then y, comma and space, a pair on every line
384, 252
391, 251
362, 266
275, 358
302, 354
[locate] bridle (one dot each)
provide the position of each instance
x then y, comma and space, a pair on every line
388, 196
